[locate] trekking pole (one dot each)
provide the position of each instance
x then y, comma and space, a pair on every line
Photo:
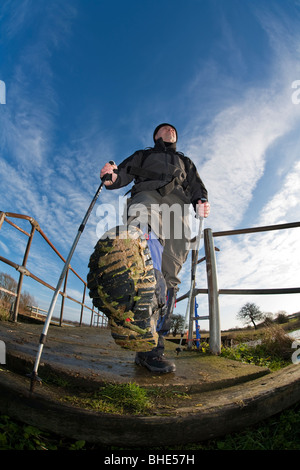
33, 376
193, 283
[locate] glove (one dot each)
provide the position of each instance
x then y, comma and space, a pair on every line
108, 169
203, 208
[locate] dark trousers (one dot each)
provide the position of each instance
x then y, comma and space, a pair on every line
166, 221
167, 217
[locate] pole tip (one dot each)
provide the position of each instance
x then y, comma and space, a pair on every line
33, 379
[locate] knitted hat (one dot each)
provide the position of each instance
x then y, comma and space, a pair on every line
162, 125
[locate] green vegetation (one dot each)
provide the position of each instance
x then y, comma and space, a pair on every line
273, 349
112, 398
127, 398
18, 436
281, 432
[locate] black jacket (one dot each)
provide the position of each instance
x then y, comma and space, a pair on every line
164, 169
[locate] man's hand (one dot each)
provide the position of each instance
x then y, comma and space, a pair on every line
108, 169
203, 208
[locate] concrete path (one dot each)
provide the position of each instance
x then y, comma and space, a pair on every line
224, 395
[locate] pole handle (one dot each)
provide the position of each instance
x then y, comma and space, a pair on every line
107, 176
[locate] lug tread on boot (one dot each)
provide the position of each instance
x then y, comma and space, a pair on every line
121, 283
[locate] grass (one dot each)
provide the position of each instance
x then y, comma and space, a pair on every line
126, 398
274, 350
18, 436
4, 314
281, 432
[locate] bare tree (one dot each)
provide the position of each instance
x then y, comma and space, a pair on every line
26, 300
250, 313
6, 299
9, 284
177, 322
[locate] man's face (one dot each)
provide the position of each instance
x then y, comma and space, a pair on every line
167, 133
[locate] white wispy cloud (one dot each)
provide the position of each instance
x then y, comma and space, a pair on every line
236, 150
284, 206
28, 122
233, 153
232, 150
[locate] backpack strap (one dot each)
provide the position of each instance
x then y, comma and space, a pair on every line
148, 174
171, 180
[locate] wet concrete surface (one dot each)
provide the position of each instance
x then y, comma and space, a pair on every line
223, 395
91, 355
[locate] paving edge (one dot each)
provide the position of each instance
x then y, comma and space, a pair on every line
210, 415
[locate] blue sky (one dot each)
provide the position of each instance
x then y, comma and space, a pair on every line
88, 81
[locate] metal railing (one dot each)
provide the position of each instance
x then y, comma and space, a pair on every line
213, 290
22, 269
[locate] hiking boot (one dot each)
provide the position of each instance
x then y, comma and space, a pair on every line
122, 285
154, 362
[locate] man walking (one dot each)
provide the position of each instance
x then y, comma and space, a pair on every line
166, 183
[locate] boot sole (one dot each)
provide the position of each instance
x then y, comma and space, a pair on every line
122, 284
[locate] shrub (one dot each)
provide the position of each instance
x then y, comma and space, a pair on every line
273, 350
